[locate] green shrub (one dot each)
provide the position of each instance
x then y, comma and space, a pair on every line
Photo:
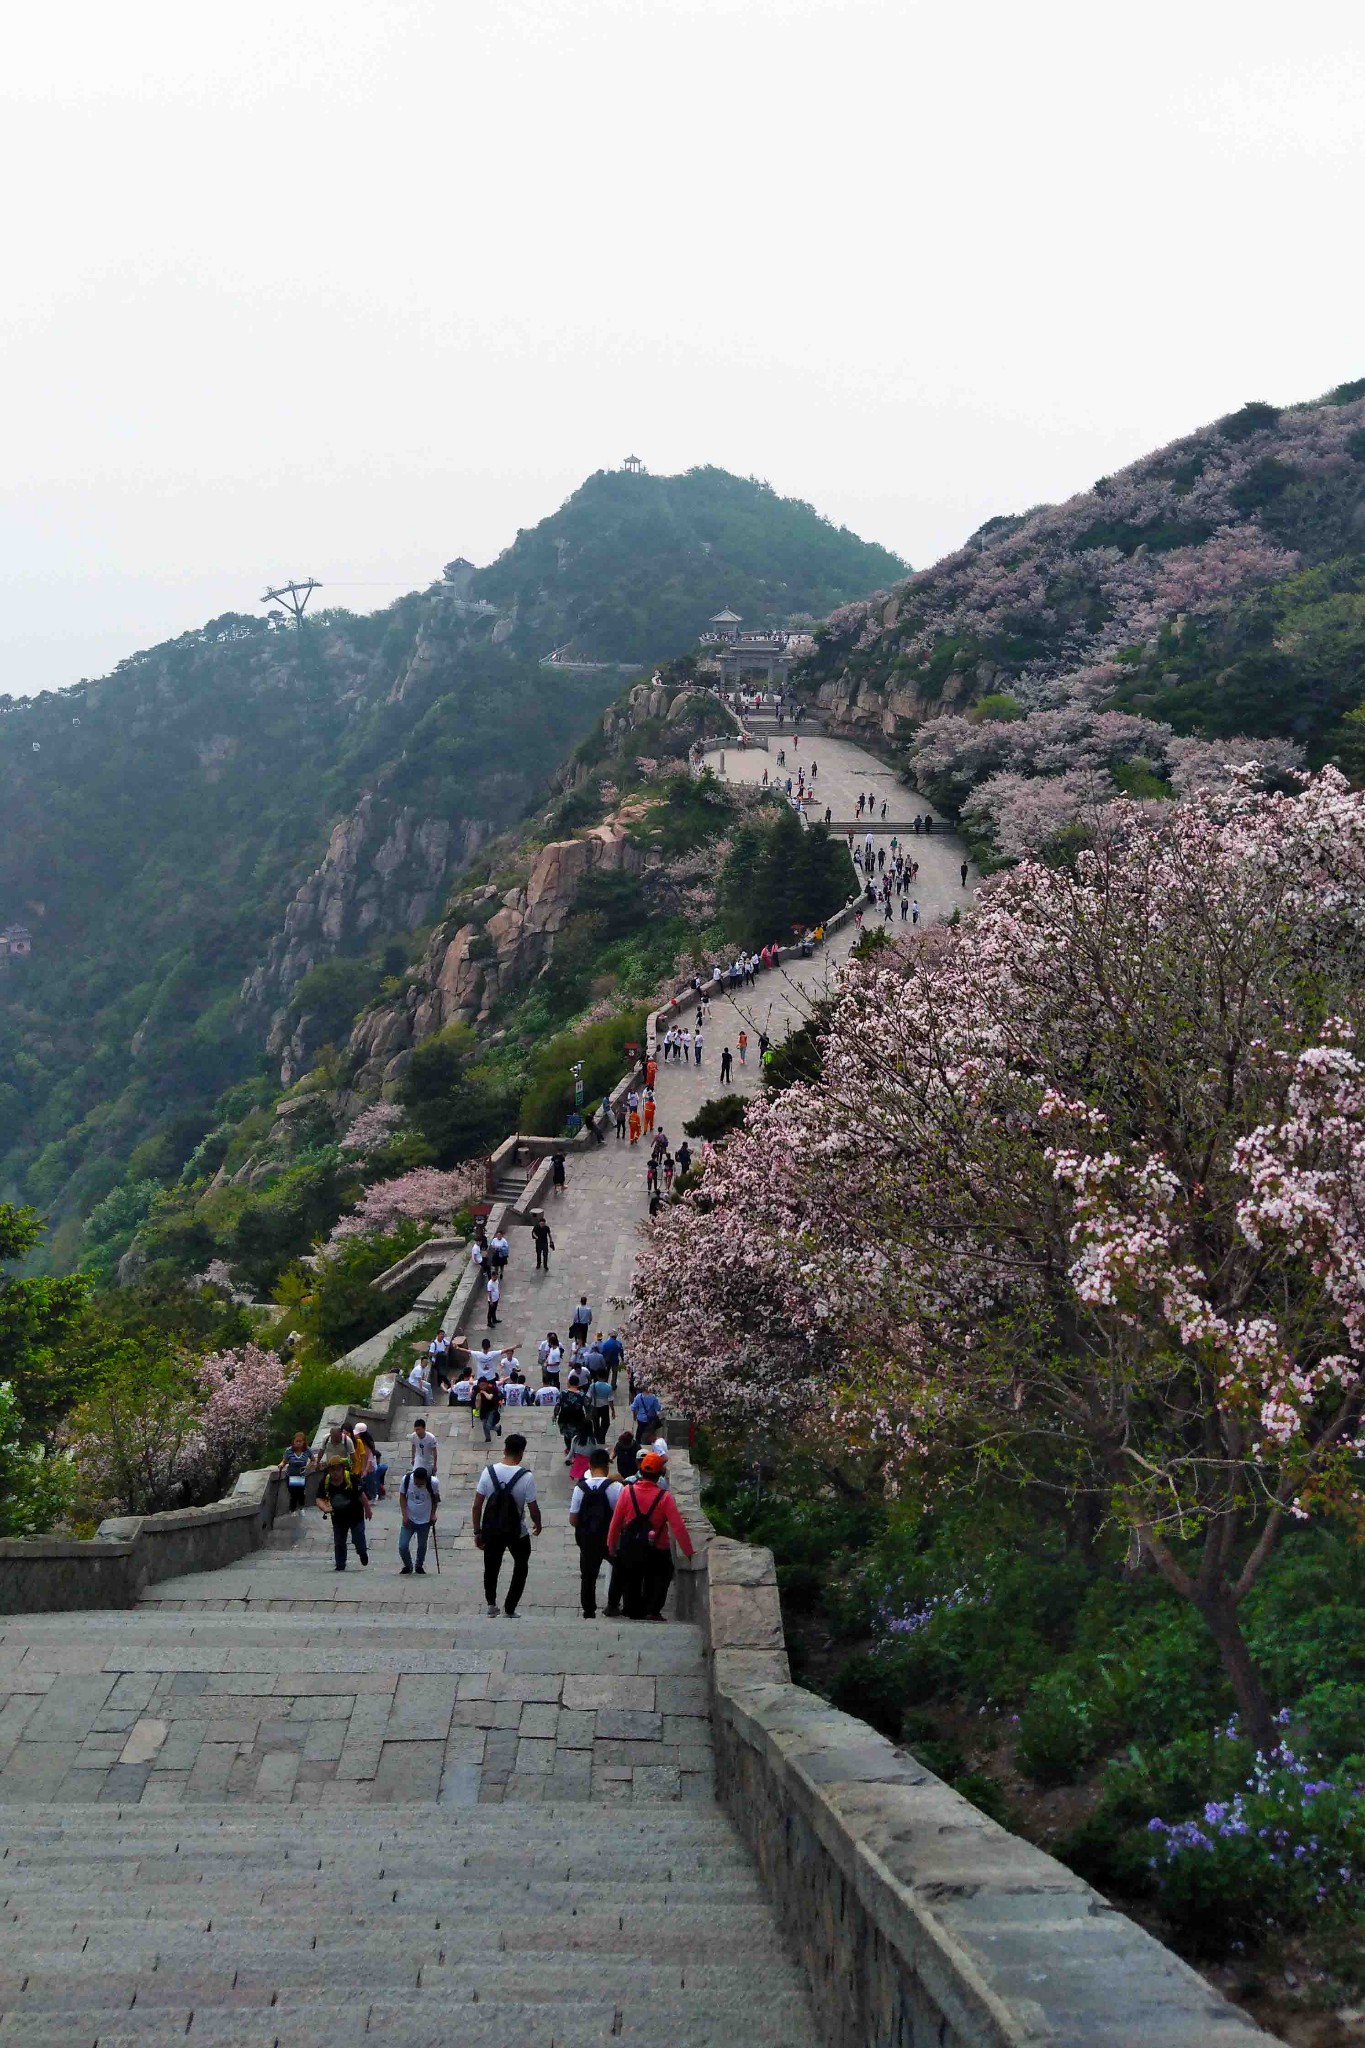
998, 708
549, 1093
315, 1387
331, 994
1285, 1851
782, 877
335, 1303
1332, 1717
1059, 1733
717, 1118
872, 1686
460, 1105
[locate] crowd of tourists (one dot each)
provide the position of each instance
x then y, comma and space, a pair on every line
623, 1516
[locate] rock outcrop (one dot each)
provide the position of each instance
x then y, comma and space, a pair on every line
508, 938
384, 870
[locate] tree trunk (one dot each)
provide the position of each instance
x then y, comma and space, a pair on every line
1220, 1616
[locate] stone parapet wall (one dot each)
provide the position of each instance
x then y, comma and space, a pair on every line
128, 1553
916, 1917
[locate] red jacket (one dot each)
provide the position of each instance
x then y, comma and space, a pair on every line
641, 1495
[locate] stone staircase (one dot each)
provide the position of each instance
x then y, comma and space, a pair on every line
278, 1803
511, 1183
321, 1927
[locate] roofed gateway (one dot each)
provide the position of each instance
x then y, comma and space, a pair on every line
736, 656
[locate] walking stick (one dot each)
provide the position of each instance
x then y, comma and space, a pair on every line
436, 1550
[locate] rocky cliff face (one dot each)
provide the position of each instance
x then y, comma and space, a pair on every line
508, 939
384, 870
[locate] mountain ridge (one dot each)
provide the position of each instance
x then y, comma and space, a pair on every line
1034, 603
242, 807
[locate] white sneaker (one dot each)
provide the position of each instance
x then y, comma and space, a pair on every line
492, 1610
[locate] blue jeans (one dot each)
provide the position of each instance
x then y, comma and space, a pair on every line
421, 1530
373, 1480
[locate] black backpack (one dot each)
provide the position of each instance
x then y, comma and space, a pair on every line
572, 1412
502, 1515
637, 1537
594, 1518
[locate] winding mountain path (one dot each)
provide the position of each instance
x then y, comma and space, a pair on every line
286, 1806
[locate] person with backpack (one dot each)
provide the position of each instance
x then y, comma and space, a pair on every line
505, 1495
649, 1416
571, 1417
341, 1499
638, 1540
623, 1455
419, 1498
590, 1513
488, 1408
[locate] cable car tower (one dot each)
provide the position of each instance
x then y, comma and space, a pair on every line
294, 595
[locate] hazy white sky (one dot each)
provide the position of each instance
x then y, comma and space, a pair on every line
346, 287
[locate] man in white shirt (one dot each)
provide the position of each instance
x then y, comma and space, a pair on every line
505, 1495
590, 1512
422, 1446
418, 1497
486, 1364
419, 1379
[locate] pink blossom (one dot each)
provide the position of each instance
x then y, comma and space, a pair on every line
373, 1128
240, 1390
1083, 1182
424, 1195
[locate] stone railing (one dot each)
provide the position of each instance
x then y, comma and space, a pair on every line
46, 1574
915, 1916
431, 1255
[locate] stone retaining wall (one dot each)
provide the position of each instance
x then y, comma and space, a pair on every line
49, 1575
917, 1919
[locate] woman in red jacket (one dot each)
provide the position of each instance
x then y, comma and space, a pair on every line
637, 1541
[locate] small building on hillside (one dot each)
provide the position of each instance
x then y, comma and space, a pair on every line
16, 943
736, 657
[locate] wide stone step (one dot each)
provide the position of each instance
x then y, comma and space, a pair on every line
633, 2012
